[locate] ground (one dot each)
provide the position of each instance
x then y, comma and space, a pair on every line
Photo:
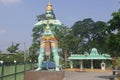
87, 74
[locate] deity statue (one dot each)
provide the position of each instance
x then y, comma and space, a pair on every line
48, 42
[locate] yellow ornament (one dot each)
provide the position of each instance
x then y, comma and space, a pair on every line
47, 28
49, 7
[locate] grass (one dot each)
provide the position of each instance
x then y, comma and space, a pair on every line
18, 77
9, 70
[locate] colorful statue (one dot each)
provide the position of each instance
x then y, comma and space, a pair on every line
48, 43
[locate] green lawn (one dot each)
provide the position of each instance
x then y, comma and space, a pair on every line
19, 76
8, 70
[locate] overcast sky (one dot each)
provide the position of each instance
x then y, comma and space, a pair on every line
17, 17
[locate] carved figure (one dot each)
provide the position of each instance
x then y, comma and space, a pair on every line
48, 43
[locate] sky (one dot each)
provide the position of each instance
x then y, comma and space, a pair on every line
17, 17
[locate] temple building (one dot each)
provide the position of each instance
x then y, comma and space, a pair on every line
87, 60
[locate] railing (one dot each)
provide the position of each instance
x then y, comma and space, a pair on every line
14, 71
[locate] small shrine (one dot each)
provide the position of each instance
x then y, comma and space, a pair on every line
94, 55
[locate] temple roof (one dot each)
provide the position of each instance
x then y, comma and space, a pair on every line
93, 55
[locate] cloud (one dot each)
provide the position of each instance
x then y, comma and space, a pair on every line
2, 31
9, 1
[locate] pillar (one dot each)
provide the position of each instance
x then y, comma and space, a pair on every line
91, 64
71, 64
81, 64
103, 65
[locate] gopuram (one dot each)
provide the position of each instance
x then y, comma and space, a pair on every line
48, 43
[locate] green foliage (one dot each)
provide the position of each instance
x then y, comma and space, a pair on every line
9, 58
118, 61
114, 23
113, 36
90, 34
67, 42
33, 50
13, 48
67, 39
36, 38
0, 51
41, 17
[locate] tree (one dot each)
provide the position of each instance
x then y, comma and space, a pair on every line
41, 17
13, 48
0, 55
0, 51
33, 51
98, 34
90, 34
36, 38
19, 57
67, 42
113, 38
114, 23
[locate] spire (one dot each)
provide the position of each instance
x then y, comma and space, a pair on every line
49, 7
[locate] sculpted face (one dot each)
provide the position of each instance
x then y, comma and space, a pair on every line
49, 15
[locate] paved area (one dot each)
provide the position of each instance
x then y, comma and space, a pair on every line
88, 75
